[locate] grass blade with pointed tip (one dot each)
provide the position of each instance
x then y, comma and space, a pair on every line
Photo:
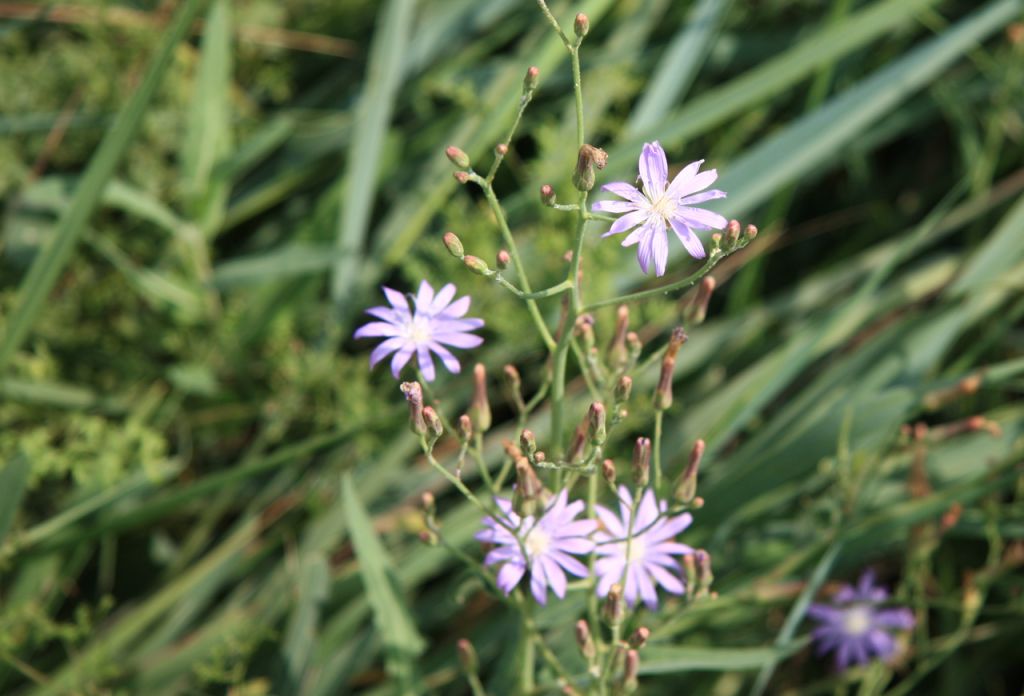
13, 480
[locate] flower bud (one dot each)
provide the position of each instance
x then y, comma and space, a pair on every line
597, 431
465, 428
642, 461
528, 443
429, 503
608, 471
631, 672
526, 497
732, 233
716, 242
468, 660
704, 574
547, 195
697, 310
428, 537
454, 245
639, 637
613, 609
501, 149
686, 488
476, 264
690, 573
663, 393
530, 81
514, 384
578, 443
751, 232
457, 157
584, 640
502, 260
623, 389
434, 427
480, 407
634, 345
510, 449
589, 157
585, 331
581, 25
414, 395
618, 354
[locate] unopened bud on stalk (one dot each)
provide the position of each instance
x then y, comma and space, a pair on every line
457, 157
608, 471
540, 456
638, 638
503, 259
584, 640
414, 395
597, 431
465, 428
468, 660
501, 149
642, 461
514, 383
530, 81
618, 354
634, 345
526, 497
663, 392
528, 443
429, 503
578, 443
581, 25
454, 245
732, 232
613, 609
589, 157
751, 232
585, 331
511, 450
686, 488
434, 427
547, 195
428, 537
631, 672
704, 574
623, 389
716, 242
690, 573
476, 264
461, 177
480, 407
697, 311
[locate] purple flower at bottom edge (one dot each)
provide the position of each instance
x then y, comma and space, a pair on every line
432, 323
661, 205
547, 542
855, 627
649, 560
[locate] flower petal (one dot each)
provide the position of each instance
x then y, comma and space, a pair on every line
666, 579
700, 218
451, 363
456, 309
426, 362
614, 206
653, 170
396, 298
401, 357
424, 298
659, 248
689, 239
538, 584
698, 182
442, 298
459, 340
647, 591
555, 576
376, 328
645, 251
683, 178
696, 198
509, 576
627, 222
385, 349
610, 521
627, 191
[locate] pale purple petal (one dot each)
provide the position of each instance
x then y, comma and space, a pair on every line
659, 248
401, 358
385, 349
376, 329
610, 521
671, 526
396, 299
696, 198
568, 562
509, 576
555, 576
653, 169
645, 252
636, 236
614, 206
389, 314
683, 178
627, 191
442, 298
626, 222
456, 309
449, 360
426, 362
698, 182
647, 592
689, 239
538, 586
698, 217
899, 618
458, 340
424, 297
667, 580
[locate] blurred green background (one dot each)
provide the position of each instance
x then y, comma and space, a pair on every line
196, 214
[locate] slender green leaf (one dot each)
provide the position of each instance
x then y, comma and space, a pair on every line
13, 480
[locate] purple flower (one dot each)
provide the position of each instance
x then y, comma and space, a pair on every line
541, 546
432, 323
649, 560
660, 205
855, 627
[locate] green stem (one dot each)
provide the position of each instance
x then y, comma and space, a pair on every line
577, 85
713, 258
553, 291
527, 654
656, 445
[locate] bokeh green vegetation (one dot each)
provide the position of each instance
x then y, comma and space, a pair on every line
190, 441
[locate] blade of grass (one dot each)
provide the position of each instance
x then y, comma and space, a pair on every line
13, 481
48, 264
384, 76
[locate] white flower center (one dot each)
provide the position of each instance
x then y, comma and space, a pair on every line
857, 620
664, 206
635, 550
537, 542
418, 330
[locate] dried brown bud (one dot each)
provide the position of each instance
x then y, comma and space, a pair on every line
697, 310
578, 443
414, 396
613, 610
686, 488
608, 471
434, 427
663, 392
639, 637
528, 443
597, 430
623, 389
589, 157
465, 428
618, 354
631, 672
584, 640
